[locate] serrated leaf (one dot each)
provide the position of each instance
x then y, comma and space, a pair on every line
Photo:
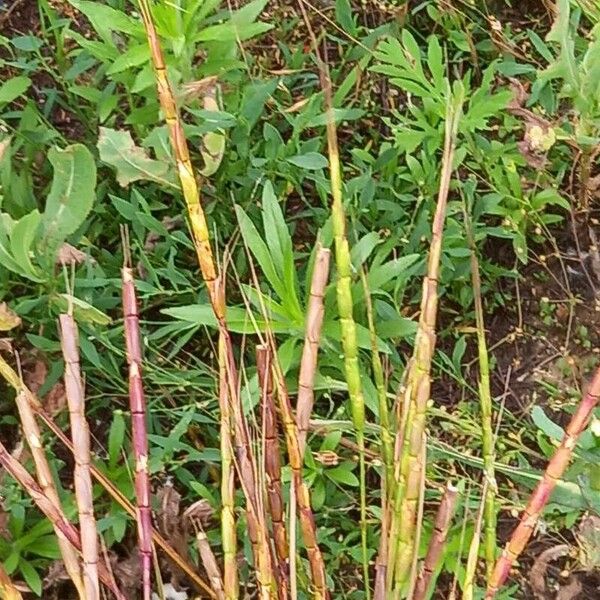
131, 162
71, 195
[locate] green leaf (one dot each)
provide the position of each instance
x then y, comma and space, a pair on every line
343, 475
31, 577
71, 195
45, 546
280, 248
83, 311
116, 438
133, 57
13, 88
260, 251
311, 161
22, 236
131, 162
239, 27
544, 424
105, 19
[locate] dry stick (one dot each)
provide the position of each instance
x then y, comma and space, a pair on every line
273, 468
485, 399
437, 542
306, 380
209, 562
7, 589
308, 363
419, 376
9, 374
65, 530
139, 433
302, 494
200, 236
344, 294
554, 471
228, 531
44, 477
80, 434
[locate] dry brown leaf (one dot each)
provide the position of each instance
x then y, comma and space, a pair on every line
296, 106
34, 375
537, 575
69, 255
9, 319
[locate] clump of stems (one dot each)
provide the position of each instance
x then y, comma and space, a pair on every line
257, 529
44, 476
402, 528
302, 495
9, 374
65, 531
80, 434
137, 405
345, 303
538, 500
272, 458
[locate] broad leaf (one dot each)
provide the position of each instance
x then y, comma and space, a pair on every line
13, 88
131, 162
71, 195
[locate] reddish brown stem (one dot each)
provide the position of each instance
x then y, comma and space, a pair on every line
273, 467
438, 541
137, 404
554, 471
66, 531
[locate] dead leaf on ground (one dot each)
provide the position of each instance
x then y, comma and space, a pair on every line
537, 575
128, 573
34, 375
9, 319
588, 540
169, 224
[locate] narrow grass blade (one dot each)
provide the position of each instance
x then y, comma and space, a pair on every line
419, 376
80, 434
538, 500
273, 468
137, 405
438, 541
65, 531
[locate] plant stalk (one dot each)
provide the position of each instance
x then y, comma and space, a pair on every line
538, 500
137, 405
419, 376
80, 434
66, 532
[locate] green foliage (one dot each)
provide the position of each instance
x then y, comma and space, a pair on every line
260, 147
